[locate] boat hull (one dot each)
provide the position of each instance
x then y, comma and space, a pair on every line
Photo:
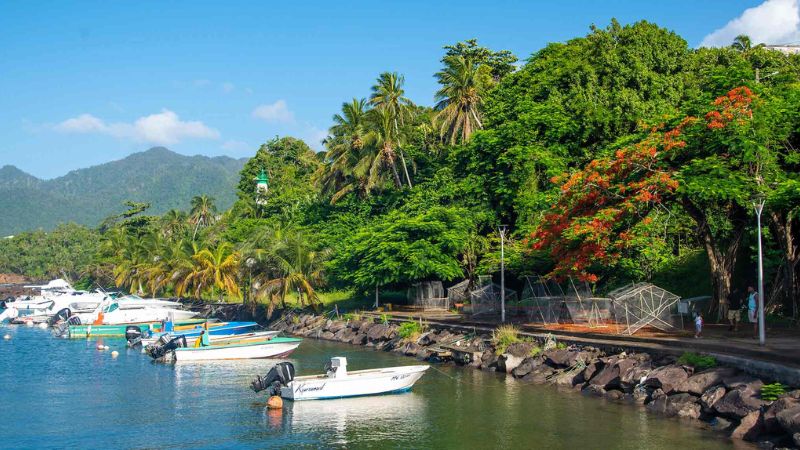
82, 331
355, 384
274, 348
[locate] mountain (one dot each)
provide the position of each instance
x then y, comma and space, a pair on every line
158, 176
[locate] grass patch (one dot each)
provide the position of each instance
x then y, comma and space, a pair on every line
535, 351
771, 392
410, 331
354, 316
699, 362
503, 336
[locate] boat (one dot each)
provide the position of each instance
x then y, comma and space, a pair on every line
53, 297
112, 312
218, 338
337, 382
118, 330
169, 349
214, 329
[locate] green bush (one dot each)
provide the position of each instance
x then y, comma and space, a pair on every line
504, 336
535, 351
771, 392
699, 362
409, 330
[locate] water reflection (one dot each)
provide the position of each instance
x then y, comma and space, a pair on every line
369, 418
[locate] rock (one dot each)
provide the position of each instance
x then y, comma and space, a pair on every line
359, 339
327, 335
737, 404
614, 394
771, 424
520, 349
526, 366
631, 378
667, 378
489, 359
410, 349
711, 396
379, 332
591, 369
508, 362
789, 419
796, 439
335, 326
750, 427
742, 381
698, 383
539, 375
560, 358
720, 424
677, 405
610, 377
595, 390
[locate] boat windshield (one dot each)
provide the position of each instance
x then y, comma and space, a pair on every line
111, 307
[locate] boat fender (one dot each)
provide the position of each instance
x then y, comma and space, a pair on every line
275, 402
7, 337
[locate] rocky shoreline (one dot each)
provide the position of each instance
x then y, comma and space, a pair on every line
725, 398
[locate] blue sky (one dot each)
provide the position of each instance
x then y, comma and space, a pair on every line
88, 82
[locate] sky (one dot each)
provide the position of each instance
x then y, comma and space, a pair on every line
83, 83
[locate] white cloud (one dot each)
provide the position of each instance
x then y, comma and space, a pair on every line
772, 22
276, 112
160, 128
228, 87
234, 146
313, 136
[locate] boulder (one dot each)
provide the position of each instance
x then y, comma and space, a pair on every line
359, 338
539, 375
720, 424
771, 424
633, 376
560, 358
789, 419
614, 394
594, 390
796, 439
327, 335
738, 403
526, 366
365, 326
750, 427
677, 405
592, 369
335, 326
667, 378
520, 349
410, 349
698, 383
711, 396
611, 375
379, 332
489, 359
742, 381
508, 362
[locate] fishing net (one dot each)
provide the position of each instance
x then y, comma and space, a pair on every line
646, 305
458, 293
486, 298
541, 300
427, 295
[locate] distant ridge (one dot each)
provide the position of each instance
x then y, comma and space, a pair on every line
159, 176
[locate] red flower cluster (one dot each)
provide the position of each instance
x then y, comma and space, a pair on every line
735, 107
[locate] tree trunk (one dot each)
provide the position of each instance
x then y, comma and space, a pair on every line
389, 154
405, 169
784, 231
722, 260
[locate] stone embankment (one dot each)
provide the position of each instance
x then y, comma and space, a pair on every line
724, 398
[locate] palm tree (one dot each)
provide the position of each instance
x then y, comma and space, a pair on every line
459, 99
214, 270
173, 223
382, 138
202, 212
742, 43
388, 96
337, 176
286, 263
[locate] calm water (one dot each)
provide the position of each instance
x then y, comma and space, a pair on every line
59, 393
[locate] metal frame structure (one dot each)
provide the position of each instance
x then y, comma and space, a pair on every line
645, 304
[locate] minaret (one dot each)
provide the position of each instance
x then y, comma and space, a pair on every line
262, 187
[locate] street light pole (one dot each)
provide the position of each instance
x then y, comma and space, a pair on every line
759, 206
502, 274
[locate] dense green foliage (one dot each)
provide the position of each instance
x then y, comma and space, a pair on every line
699, 362
158, 176
620, 156
771, 392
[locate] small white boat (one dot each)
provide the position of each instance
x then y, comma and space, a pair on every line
218, 338
337, 382
268, 346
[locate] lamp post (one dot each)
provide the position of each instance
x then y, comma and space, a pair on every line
502, 230
758, 205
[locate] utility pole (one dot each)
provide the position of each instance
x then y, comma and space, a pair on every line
503, 229
759, 206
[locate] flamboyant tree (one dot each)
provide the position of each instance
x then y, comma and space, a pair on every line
706, 166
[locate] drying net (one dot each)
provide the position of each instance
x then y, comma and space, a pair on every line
547, 302
541, 300
645, 304
427, 295
486, 300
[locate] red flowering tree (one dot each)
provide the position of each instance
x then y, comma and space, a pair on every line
603, 209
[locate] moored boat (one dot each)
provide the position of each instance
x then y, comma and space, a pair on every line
119, 330
214, 329
177, 349
337, 382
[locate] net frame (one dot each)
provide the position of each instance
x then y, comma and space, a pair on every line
645, 304
427, 295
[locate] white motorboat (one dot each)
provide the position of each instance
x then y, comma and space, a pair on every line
337, 382
55, 290
112, 312
217, 338
177, 349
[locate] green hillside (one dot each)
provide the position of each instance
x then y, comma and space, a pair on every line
158, 176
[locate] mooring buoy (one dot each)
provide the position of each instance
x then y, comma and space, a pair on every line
275, 402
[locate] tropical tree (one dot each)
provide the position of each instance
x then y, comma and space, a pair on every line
742, 43
388, 97
459, 99
212, 270
339, 175
381, 142
203, 212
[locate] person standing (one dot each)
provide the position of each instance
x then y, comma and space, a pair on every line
752, 309
698, 325
734, 309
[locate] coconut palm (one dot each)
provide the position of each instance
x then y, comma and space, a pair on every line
381, 141
388, 96
173, 223
337, 176
459, 99
286, 262
212, 270
202, 212
742, 43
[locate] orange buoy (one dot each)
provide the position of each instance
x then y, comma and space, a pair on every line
275, 402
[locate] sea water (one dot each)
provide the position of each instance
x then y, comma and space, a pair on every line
61, 393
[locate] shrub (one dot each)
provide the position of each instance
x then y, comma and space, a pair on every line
771, 392
561, 345
535, 351
409, 331
504, 336
384, 319
699, 362
352, 316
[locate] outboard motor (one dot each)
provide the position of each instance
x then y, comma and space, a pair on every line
133, 335
165, 344
62, 328
280, 375
61, 316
